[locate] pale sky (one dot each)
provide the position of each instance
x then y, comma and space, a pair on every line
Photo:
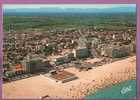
16, 6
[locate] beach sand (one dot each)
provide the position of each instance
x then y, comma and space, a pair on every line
92, 80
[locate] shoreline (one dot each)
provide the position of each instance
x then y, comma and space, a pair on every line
92, 80
106, 79
120, 90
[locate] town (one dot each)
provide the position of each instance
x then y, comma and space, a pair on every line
27, 53
69, 51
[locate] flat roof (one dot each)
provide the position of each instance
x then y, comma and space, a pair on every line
62, 75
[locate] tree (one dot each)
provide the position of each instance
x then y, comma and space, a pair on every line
48, 50
9, 74
6, 65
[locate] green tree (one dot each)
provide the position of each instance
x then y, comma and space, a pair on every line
6, 65
9, 74
48, 49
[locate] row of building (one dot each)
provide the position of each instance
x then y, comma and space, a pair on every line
20, 48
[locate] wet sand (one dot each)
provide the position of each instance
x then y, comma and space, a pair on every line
92, 80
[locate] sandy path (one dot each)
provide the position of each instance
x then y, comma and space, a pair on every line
91, 80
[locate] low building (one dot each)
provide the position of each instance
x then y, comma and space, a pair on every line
83, 67
61, 76
58, 60
70, 56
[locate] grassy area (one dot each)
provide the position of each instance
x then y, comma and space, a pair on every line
22, 21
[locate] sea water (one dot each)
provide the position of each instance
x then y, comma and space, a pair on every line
123, 90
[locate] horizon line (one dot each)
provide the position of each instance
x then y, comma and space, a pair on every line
65, 6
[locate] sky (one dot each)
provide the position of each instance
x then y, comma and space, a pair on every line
99, 6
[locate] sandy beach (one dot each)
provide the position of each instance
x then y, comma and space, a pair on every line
92, 80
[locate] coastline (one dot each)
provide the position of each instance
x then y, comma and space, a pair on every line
125, 89
92, 80
107, 75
